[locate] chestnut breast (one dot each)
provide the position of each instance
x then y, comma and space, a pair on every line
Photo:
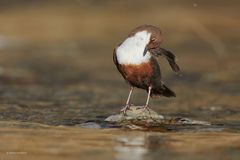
137, 74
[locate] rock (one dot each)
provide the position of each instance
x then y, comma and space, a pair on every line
136, 113
137, 118
188, 121
89, 125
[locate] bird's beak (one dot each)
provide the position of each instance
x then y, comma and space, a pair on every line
145, 51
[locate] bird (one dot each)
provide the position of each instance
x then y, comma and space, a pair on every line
136, 60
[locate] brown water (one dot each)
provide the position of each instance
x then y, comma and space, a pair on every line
56, 72
32, 141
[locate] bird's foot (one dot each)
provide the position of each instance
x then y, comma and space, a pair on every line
146, 107
125, 108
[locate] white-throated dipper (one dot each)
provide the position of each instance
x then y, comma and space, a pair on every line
136, 60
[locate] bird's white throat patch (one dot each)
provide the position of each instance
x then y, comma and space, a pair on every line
131, 50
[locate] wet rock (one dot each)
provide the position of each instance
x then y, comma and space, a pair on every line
180, 120
137, 118
89, 125
136, 113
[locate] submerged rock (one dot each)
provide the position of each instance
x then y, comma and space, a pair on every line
89, 125
137, 118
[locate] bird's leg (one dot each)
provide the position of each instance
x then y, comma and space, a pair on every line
127, 106
149, 93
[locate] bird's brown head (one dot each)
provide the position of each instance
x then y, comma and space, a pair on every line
156, 37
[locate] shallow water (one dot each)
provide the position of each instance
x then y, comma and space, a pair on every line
29, 140
58, 82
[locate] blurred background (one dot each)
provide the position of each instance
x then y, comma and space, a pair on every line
56, 57
56, 69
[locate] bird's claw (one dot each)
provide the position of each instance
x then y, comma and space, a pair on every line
146, 108
125, 108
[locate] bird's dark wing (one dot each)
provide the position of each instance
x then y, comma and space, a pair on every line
158, 88
168, 55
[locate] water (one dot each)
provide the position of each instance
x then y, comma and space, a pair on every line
56, 75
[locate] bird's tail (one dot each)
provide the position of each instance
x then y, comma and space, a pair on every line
162, 91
